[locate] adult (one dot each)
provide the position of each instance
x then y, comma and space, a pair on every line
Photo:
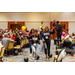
17, 40
41, 42
6, 40
13, 36
59, 31
47, 41
63, 34
10, 32
1, 36
31, 33
67, 53
16, 31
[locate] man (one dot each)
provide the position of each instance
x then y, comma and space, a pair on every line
6, 40
59, 31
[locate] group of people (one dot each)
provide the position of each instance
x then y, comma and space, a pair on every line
34, 36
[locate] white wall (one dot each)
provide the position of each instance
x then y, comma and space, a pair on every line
63, 16
35, 25
3, 25
25, 16
72, 27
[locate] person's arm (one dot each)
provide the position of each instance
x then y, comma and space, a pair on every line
10, 40
2, 42
43, 37
52, 32
29, 37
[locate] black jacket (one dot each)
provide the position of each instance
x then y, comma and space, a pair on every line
46, 35
34, 39
17, 39
59, 31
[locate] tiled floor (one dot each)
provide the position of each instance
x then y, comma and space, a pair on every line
26, 53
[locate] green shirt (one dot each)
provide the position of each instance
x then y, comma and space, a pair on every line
72, 42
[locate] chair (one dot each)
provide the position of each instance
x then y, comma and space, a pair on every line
55, 58
10, 47
19, 46
26, 41
1, 53
23, 43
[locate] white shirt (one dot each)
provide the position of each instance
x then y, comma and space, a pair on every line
1, 46
70, 39
66, 58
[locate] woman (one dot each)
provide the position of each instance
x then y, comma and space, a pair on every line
70, 37
67, 54
63, 34
1, 36
31, 33
13, 37
47, 41
17, 40
34, 43
41, 42
10, 32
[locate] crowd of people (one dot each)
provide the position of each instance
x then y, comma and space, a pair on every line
35, 36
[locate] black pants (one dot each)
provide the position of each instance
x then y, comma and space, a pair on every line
58, 37
47, 50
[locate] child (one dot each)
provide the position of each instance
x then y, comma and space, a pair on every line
34, 43
47, 41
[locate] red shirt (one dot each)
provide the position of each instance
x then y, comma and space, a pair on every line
13, 37
29, 35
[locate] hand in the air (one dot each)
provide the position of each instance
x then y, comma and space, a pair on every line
43, 40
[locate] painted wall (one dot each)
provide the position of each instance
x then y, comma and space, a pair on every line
63, 16
3, 25
35, 25
25, 16
72, 27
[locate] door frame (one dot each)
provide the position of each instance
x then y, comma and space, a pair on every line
61, 22
13, 22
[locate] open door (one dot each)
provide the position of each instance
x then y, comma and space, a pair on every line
14, 25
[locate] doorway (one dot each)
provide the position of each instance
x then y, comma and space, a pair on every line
14, 25
64, 26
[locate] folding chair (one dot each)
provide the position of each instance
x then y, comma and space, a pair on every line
19, 47
2, 53
10, 47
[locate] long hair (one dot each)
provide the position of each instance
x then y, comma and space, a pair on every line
67, 43
47, 27
31, 30
68, 47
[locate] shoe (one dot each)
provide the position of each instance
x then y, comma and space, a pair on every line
38, 57
48, 58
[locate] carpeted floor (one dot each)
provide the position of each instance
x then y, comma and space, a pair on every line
26, 53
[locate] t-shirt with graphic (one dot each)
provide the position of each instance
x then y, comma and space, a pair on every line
34, 39
46, 35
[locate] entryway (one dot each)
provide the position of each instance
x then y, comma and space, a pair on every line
14, 25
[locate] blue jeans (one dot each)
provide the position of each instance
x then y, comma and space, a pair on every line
30, 47
42, 46
34, 49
